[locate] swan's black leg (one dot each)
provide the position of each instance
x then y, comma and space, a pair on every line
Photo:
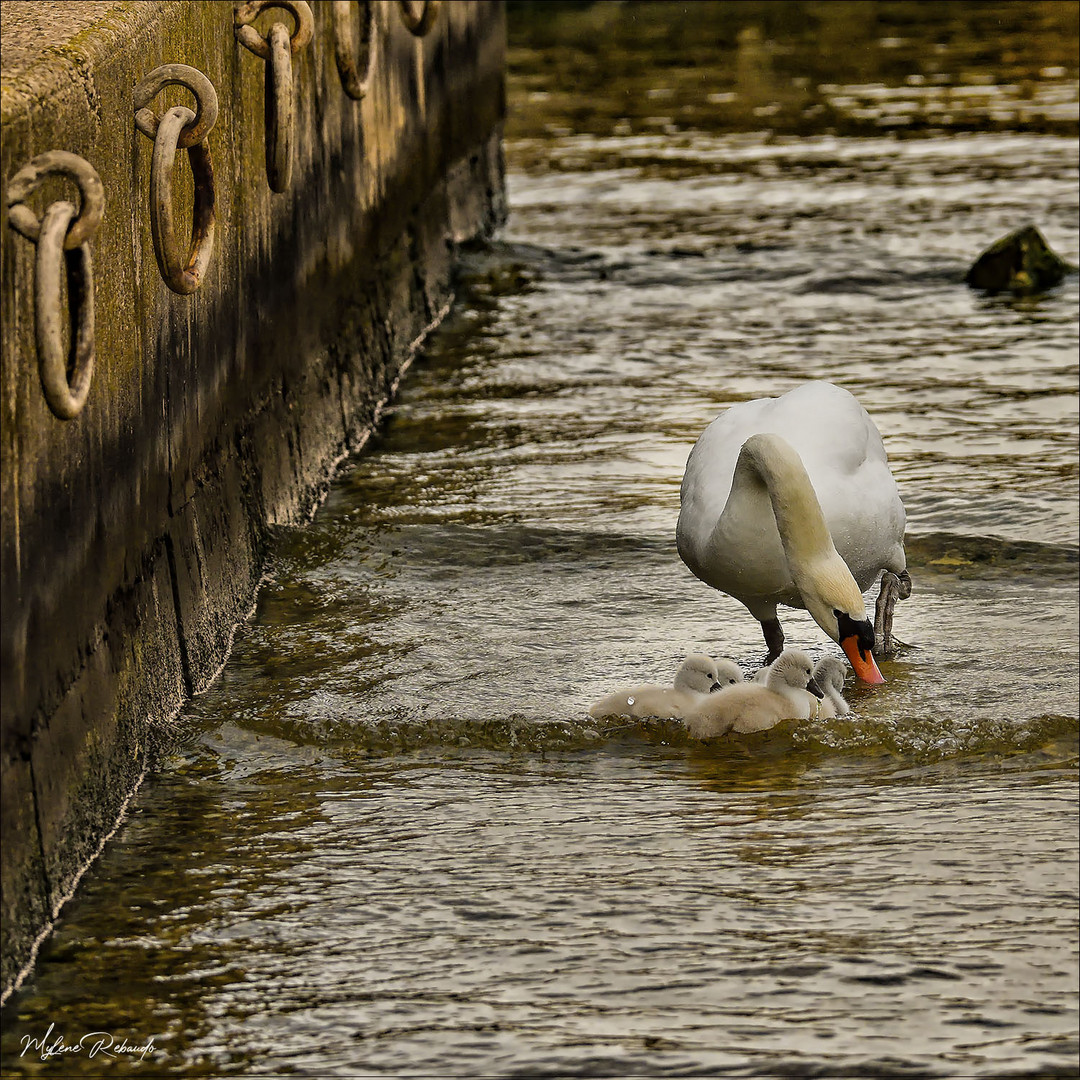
774, 638
883, 613
893, 587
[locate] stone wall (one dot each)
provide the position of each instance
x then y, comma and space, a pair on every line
133, 536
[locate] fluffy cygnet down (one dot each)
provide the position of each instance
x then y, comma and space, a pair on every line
697, 677
829, 674
757, 707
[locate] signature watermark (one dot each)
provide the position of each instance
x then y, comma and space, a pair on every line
94, 1044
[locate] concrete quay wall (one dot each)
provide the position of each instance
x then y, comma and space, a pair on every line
132, 537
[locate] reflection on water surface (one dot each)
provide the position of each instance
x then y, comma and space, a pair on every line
903, 67
393, 842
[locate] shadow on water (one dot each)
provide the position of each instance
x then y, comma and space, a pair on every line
391, 841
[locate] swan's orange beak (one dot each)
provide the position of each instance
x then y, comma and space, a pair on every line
863, 663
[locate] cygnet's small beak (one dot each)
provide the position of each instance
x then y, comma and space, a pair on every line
715, 686
815, 689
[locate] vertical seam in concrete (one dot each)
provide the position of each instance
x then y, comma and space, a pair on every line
181, 640
46, 887
16, 474
346, 433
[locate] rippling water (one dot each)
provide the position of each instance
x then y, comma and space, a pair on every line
393, 843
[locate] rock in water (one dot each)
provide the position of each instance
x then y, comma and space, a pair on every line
1021, 262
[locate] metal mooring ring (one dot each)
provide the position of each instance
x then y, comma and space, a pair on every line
277, 49
278, 107
418, 25
355, 84
66, 395
182, 277
244, 15
57, 162
206, 101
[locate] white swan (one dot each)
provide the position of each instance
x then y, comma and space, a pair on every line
790, 500
697, 677
755, 706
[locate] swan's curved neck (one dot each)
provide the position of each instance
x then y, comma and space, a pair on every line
768, 461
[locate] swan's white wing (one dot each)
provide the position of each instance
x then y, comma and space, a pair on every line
845, 459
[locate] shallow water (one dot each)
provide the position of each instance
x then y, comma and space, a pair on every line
393, 842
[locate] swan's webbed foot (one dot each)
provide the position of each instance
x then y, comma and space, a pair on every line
893, 587
774, 638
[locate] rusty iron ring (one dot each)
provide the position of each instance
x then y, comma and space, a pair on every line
182, 277
206, 101
278, 107
244, 15
65, 395
418, 25
354, 84
57, 162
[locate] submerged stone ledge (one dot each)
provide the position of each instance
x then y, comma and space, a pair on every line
133, 536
